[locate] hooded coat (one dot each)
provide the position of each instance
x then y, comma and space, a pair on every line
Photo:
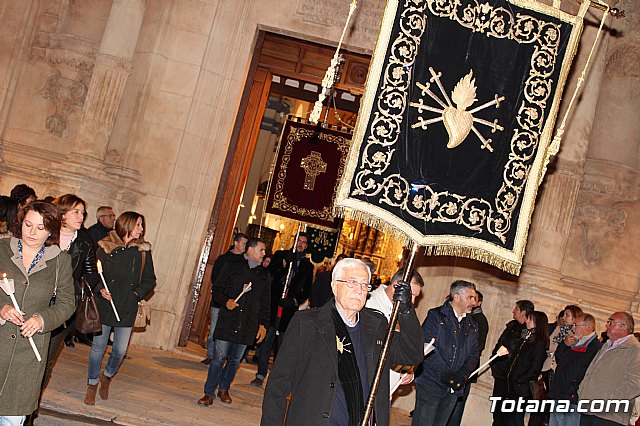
20, 372
127, 282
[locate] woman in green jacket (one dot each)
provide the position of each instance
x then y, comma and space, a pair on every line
128, 271
43, 284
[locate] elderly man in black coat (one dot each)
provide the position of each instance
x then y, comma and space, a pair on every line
329, 355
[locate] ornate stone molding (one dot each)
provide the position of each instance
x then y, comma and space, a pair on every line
612, 179
598, 222
64, 49
65, 94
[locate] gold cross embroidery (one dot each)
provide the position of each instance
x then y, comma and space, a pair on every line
313, 166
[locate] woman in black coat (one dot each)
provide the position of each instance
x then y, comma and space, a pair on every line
526, 363
128, 271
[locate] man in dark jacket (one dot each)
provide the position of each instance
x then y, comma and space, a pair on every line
446, 369
243, 318
483, 331
509, 339
235, 252
573, 356
294, 265
106, 218
329, 355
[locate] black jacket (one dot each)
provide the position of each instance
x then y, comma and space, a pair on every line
221, 260
307, 365
300, 288
570, 370
509, 338
98, 231
127, 283
83, 261
321, 291
525, 366
241, 324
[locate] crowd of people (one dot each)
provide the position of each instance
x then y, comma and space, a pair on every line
326, 335
565, 360
48, 259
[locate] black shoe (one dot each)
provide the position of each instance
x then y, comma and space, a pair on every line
68, 342
83, 340
206, 361
257, 382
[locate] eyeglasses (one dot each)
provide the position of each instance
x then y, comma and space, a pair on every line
612, 321
364, 286
107, 215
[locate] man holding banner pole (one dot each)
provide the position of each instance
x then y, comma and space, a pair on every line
329, 355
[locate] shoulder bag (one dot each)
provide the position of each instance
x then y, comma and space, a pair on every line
87, 315
143, 316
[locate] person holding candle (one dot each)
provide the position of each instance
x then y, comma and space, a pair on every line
127, 271
42, 280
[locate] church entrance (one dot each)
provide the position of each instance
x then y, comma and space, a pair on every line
284, 79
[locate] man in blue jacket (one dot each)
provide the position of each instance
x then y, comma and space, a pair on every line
446, 369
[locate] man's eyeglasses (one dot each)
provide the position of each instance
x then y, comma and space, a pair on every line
612, 321
364, 286
107, 215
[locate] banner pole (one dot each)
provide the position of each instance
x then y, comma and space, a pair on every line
387, 343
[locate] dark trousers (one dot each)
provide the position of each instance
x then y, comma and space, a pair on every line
596, 421
433, 405
264, 351
500, 387
458, 410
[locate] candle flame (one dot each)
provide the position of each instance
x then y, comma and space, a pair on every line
4, 275
502, 351
99, 267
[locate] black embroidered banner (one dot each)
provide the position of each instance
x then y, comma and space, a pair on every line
322, 243
309, 164
456, 123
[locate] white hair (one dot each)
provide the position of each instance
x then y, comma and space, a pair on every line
346, 263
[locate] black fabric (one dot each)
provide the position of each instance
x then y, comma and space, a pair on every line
525, 366
321, 290
217, 267
348, 371
322, 244
406, 168
83, 261
570, 370
299, 288
509, 338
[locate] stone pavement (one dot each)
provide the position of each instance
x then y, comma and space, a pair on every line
153, 387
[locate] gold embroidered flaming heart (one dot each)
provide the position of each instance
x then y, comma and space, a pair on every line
457, 120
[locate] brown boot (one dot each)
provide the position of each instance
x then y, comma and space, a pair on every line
90, 397
104, 386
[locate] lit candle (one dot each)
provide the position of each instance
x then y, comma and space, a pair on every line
104, 283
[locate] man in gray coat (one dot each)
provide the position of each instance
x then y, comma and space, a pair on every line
613, 375
329, 355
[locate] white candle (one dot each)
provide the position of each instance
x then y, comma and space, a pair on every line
104, 283
10, 290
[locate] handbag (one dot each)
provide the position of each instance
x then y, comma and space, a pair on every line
143, 316
87, 315
538, 388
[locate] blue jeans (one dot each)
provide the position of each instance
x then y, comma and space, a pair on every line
264, 352
121, 336
434, 405
565, 419
214, 320
11, 420
217, 376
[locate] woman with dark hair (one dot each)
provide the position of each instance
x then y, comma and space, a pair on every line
128, 270
75, 241
8, 211
43, 286
526, 362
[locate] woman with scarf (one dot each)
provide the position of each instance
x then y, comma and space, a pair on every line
128, 271
526, 363
43, 288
